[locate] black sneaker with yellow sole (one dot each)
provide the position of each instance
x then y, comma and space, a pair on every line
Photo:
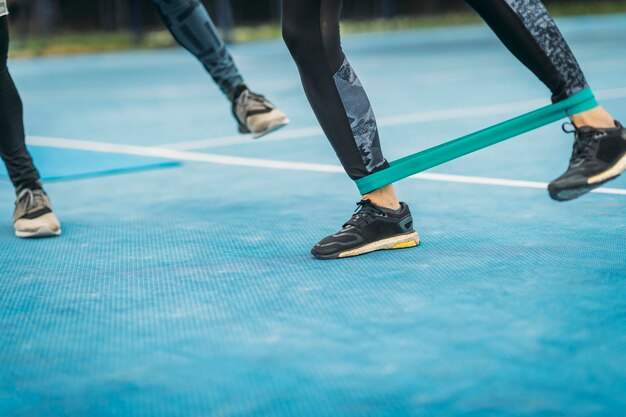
370, 229
599, 156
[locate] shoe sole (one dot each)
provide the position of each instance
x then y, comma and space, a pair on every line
43, 232
272, 127
592, 183
405, 241
613, 172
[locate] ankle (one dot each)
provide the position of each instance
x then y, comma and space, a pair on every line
236, 92
597, 118
30, 185
384, 197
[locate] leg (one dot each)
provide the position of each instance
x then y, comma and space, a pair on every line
33, 215
529, 32
193, 28
338, 99
12, 145
225, 19
333, 89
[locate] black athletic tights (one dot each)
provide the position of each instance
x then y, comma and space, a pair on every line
12, 146
311, 31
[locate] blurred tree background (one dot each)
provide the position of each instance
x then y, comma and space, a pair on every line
118, 14
61, 26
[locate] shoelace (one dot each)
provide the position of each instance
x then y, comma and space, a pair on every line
252, 101
30, 199
585, 144
572, 128
365, 210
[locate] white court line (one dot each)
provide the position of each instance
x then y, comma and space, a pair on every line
271, 164
307, 132
404, 119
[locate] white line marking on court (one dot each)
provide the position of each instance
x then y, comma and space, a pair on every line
404, 119
307, 132
272, 164
178, 155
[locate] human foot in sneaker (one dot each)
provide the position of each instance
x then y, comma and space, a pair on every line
599, 156
33, 216
255, 114
371, 228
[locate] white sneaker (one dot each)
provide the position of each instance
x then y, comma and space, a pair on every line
256, 115
33, 216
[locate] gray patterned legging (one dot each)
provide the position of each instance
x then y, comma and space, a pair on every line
193, 28
311, 31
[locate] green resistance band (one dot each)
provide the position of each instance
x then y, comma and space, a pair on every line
421, 161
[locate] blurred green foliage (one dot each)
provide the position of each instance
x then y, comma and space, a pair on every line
87, 35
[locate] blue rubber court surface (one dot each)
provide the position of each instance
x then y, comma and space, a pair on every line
190, 291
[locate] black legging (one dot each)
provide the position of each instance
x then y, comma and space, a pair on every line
311, 31
12, 146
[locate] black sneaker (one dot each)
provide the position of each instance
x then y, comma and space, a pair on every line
371, 228
599, 156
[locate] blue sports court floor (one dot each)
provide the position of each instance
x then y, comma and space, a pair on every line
188, 290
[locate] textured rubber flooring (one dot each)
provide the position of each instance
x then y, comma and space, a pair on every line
190, 291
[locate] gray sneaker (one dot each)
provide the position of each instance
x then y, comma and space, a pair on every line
33, 216
256, 115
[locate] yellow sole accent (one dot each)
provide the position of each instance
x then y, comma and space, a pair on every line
405, 245
613, 172
409, 240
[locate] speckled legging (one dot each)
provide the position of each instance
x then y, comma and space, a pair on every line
311, 31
